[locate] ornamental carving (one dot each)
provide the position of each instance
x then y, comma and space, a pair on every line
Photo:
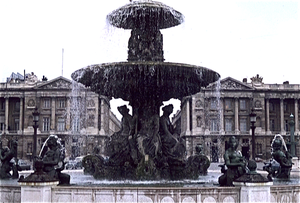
257, 79
258, 104
231, 85
31, 103
90, 103
145, 45
61, 84
198, 103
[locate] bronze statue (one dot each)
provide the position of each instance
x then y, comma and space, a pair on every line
6, 156
235, 163
281, 165
53, 160
149, 151
173, 147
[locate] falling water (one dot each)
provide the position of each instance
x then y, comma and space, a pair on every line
219, 115
77, 117
282, 140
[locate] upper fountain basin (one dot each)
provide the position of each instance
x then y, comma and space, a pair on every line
145, 14
145, 79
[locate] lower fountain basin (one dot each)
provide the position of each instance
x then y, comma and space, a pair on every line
146, 79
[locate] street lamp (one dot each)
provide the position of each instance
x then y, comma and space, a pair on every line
253, 120
292, 141
36, 115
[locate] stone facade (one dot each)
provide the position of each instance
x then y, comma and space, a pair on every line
80, 117
222, 109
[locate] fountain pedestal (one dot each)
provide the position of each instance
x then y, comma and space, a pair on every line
296, 163
37, 186
37, 192
254, 192
254, 187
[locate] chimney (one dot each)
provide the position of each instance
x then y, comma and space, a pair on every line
244, 80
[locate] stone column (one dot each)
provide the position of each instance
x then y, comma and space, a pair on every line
236, 115
21, 115
102, 131
296, 117
97, 114
282, 117
6, 113
53, 107
188, 120
222, 116
268, 116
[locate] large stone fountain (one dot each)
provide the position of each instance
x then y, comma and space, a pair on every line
146, 147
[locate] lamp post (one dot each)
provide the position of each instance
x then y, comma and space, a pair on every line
36, 115
292, 127
253, 120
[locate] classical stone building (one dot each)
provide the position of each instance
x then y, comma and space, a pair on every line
80, 117
222, 109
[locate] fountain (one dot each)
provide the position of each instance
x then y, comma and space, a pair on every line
145, 80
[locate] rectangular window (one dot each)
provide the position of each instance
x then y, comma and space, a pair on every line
2, 126
272, 125
285, 106
214, 125
213, 103
271, 106
46, 124
286, 126
47, 103
61, 103
76, 124
228, 124
258, 148
61, 124
243, 124
17, 124
228, 104
17, 106
2, 105
29, 147
243, 104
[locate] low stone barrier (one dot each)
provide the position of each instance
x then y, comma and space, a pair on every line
145, 194
279, 193
285, 193
10, 193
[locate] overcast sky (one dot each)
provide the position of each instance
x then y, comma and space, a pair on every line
234, 38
